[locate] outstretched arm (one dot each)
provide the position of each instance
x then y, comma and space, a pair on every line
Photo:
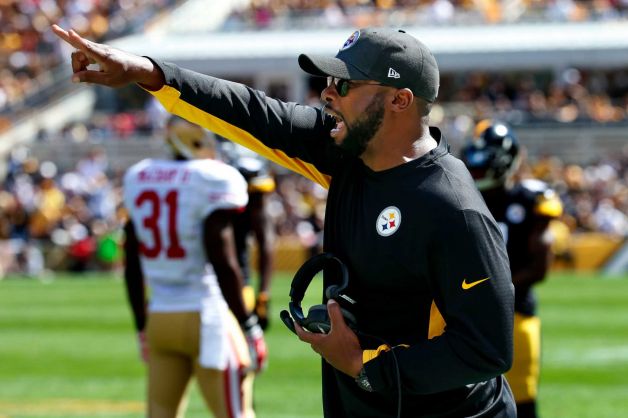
117, 68
292, 135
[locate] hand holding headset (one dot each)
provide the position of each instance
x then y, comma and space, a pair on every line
317, 319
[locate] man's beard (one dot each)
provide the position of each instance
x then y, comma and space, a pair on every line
364, 129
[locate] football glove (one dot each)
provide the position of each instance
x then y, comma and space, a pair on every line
257, 345
262, 308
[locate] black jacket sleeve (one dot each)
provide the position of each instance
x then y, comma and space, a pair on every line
291, 135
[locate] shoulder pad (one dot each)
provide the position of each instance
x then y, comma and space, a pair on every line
548, 204
544, 201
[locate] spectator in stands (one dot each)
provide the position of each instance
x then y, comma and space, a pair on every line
49, 203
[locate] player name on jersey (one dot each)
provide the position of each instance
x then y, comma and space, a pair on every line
160, 175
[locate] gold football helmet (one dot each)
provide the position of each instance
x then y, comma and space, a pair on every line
188, 140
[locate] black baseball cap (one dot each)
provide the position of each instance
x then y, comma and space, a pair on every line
389, 56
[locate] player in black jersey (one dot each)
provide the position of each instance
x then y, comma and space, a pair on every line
427, 263
254, 222
523, 211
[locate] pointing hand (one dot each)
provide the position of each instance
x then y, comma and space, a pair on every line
117, 68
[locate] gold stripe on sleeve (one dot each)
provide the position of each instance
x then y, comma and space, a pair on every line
170, 99
437, 322
368, 355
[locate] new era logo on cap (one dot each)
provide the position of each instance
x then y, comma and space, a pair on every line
393, 74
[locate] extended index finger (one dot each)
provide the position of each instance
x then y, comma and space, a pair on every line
61, 33
74, 39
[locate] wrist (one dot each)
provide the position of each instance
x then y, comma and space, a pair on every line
148, 75
357, 364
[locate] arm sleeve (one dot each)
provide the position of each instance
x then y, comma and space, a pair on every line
262, 231
133, 278
546, 206
539, 255
291, 135
477, 342
220, 250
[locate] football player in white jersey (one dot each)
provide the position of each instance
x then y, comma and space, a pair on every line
179, 244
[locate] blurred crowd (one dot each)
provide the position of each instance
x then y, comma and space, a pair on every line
70, 218
595, 197
52, 219
570, 95
282, 14
57, 220
29, 50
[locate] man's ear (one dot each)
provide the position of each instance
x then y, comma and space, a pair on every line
403, 100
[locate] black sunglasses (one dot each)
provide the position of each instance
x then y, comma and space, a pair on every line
342, 86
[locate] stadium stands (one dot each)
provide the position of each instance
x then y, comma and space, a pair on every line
30, 53
567, 95
284, 14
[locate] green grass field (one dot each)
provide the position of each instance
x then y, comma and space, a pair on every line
67, 349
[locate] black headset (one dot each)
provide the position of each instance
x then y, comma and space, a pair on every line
317, 319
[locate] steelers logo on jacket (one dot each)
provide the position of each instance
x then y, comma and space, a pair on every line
388, 221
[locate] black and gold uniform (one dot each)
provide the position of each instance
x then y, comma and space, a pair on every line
523, 211
428, 265
526, 213
524, 216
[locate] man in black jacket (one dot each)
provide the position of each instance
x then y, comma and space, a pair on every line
427, 263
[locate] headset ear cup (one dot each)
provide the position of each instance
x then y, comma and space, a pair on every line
287, 320
332, 292
317, 319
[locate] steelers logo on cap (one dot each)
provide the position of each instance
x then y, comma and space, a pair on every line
351, 41
388, 221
